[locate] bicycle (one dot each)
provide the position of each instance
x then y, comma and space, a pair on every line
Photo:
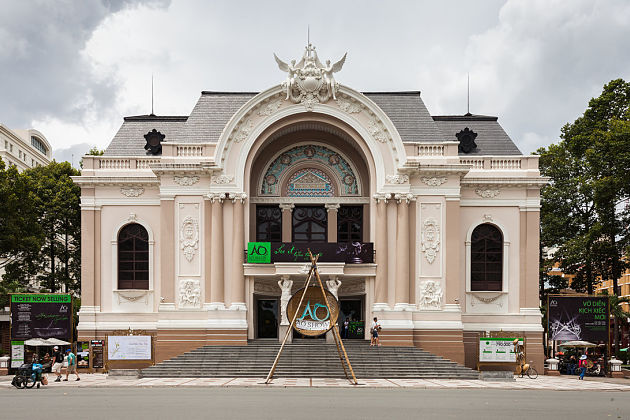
28, 376
529, 370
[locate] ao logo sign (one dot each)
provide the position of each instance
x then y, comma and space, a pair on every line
313, 313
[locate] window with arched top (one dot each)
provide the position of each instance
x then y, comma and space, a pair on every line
133, 257
486, 259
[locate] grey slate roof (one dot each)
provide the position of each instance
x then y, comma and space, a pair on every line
491, 138
409, 115
214, 109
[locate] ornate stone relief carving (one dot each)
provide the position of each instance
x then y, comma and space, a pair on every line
132, 296
222, 179
430, 294
131, 191
189, 293
375, 129
309, 81
244, 131
434, 181
132, 217
487, 218
189, 237
487, 193
285, 285
269, 108
185, 180
397, 179
430, 239
348, 106
353, 288
333, 286
477, 299
404, 197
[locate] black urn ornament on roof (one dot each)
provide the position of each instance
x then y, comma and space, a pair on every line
466, 139
154, 142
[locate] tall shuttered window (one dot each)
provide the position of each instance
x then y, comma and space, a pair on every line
133, 257
268, 224
486, 257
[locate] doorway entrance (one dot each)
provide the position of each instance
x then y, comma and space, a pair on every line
267, 314
351, 309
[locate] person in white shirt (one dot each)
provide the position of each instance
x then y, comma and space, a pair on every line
374, 330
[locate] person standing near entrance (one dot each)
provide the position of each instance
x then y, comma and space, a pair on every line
57, 363
346, 327
72, 365
374, 330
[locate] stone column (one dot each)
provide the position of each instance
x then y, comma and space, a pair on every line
167, 253
216, 254
207, 246
285, 284
452, 249
392, 215
380, 245
287, 213
87, 258
402, 251
238, 247
333, 284
332, 210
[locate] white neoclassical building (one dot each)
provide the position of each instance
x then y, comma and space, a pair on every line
428, 222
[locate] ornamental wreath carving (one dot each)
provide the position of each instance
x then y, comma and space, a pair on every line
185, 180
376, 131
487, 193
222, 179
430, 239
430, 294
348, 106
397, 179
434, 181
132, 192
189, 293
189, 237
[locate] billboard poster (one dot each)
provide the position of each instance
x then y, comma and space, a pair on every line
578, 318
493, 349
97, 353
271, 252
17, 354
129, 347
40, 315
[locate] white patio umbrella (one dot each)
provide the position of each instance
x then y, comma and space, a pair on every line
56, 342
577, 343
36, 342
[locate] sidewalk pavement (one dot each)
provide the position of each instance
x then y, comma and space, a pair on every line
552, 383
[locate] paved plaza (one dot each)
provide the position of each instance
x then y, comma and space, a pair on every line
550, 383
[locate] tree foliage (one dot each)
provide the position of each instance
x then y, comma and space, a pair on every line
585, 206
40, 228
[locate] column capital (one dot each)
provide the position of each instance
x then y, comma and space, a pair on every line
382, 197
217, 197
287, 206
404, 198
332, 206
240, 196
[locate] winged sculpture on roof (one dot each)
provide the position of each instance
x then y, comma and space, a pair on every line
309, 81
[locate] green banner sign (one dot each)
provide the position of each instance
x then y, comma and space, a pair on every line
41, 298
259, 252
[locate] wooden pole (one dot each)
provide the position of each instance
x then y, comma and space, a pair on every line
336, 335
286, 336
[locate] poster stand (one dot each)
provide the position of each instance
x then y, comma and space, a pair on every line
129, 363
338, 342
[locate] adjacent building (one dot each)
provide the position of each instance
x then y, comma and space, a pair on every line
24, 148
429, 223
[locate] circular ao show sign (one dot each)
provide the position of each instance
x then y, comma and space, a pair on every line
313, 317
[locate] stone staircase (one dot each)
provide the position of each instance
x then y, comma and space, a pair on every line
308, 358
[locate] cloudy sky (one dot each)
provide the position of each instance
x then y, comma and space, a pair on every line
73, 68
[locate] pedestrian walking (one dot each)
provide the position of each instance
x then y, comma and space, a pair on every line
376, 327
57, 363
582, 364
72, 365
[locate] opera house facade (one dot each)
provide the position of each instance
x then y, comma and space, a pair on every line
196, 228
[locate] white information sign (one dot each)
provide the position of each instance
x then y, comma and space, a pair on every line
497, 349
17, 354
129, 347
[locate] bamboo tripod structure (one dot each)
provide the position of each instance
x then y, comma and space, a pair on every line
338, 342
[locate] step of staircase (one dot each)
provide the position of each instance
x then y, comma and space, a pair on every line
308, 358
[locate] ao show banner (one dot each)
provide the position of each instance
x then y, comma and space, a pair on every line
578, 318
40, 315
271, 252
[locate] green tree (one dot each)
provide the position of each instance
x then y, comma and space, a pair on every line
584, 211
55, 204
